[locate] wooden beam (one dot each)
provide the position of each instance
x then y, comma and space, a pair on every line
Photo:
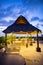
27, 41
38, 49
5, 39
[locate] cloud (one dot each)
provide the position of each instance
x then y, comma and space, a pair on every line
36, 21
41, 27
41, 24
16, 10
8, 19
34, 18
32, 2
1, 24
35, 6
2, 34
41, 20
11, 9
37, 24
1, 29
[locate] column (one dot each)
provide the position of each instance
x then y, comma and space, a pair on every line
27, 41
5, 42
38, 49
31, 40
5, 39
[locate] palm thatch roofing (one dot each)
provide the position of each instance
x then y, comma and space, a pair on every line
21, 24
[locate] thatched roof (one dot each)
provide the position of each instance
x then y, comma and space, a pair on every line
21, 24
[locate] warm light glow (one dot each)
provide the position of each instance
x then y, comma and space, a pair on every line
35, 32
29, 53
29, 32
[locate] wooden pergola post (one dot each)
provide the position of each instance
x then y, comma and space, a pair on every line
27, 41
5, 40
38, 49
31, 40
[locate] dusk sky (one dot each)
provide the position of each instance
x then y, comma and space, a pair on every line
32, 10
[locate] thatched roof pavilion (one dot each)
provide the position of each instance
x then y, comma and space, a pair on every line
22, 26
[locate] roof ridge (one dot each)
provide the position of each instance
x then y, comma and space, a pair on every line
21, 20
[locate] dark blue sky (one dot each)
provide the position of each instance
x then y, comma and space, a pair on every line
11, 9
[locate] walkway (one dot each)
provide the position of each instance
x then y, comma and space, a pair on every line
9, 59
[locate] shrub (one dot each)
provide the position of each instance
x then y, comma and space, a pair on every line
2, 40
